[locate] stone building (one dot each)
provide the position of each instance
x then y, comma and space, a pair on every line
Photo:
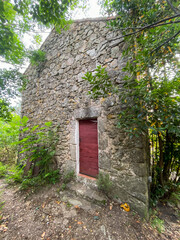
90, 141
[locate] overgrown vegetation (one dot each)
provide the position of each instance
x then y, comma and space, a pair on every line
9, 133
35, 164
150, 93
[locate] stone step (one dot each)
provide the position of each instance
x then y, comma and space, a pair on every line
79, 202
86, 192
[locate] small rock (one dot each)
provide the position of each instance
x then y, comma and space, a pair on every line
96, 218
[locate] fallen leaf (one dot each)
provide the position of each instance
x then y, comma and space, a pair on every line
79, 222
42, 236
77, 207
43, 205
58, 202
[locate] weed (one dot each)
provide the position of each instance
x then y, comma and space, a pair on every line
68, 177
104, 183
158, 224
155, 221
69, 205
63, 187
37, 56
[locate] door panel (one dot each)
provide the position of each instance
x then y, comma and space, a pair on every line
88, 147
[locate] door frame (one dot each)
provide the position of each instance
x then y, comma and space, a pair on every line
77, 144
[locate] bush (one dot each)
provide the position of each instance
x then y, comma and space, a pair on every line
104, 183
3, 170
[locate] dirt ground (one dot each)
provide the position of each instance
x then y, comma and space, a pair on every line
46, 215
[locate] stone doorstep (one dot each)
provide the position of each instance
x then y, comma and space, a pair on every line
86, 192
83, 197
75, 199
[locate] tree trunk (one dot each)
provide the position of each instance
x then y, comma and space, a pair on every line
160, 159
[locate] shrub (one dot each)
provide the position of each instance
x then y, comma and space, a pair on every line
104, 183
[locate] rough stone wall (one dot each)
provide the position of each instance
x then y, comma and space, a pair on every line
56, 92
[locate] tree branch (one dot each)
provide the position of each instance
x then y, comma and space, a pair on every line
150, 25
164, 43
176, 10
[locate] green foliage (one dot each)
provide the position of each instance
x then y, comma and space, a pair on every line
158, 193
52, 176
34, 182
9, 133
156, 222
37, 57
104, 183
100, 81
68, 177
15, 175
175, 197
3, 170
37, 149
20, 17
10, 82
149, 97
5, 110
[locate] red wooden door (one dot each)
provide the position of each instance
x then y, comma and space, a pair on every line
88, 147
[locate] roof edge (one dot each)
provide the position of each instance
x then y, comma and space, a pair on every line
98, 19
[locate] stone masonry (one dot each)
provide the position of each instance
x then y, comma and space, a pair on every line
56, 92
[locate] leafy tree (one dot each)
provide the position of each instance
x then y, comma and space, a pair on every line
9, 133
151, 86
17, 18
